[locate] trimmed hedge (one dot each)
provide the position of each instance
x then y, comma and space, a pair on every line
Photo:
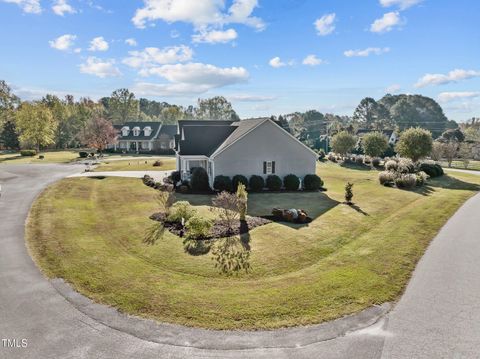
256, 183
199, 179
237, 179
291, 182
83, 154
28, 153
312, 182
432, 169
222, 183
274, 183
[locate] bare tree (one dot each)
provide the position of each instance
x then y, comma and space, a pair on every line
450, 151
226, 206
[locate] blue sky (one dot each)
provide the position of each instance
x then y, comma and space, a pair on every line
266, 56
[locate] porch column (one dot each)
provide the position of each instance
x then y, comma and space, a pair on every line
136, 146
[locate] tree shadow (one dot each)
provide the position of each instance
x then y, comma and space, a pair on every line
231, 256
454, 183
245, 235
357, 208
355, 166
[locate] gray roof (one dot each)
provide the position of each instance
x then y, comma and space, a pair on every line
204, 140
363, 131
202, 123
170, 130
141, 137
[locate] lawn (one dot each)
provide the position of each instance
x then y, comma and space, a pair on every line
473, 165
50, 157
90, 232
167, 163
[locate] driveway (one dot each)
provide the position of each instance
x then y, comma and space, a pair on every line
437, 317
156, 175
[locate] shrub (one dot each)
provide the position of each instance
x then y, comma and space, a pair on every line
421, 178
386, 178
391, 165
406, 165
157, 164
415, 143
312, 182
367, 160
274, 183
256, 183
432, 169
237, 179
376, 162
321, 154
83, 154
331, 157
148, 181
198, 227
181, 209
359, 159
199, 179
41, 157
291, 182
406, 180
348, 192
28, 153
176, 177
222, 183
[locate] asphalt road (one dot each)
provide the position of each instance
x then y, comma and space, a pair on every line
439, 315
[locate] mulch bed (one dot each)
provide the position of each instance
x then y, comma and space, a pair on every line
219, 228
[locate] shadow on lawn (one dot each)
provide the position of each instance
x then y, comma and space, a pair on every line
355, 166
446, 182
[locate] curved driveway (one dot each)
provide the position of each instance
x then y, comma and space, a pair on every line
437, 317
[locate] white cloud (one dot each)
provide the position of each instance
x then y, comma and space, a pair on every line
61, 7
153, 56
100, 68
63, 43
215, 36
277, 62
440, 79
402, 4
366, 52
199, 13
190, 79
392, 89
98, 44
325, 25
77, 50
250, 98
386, 23
28, 6
445, 97
131, 42
312, 60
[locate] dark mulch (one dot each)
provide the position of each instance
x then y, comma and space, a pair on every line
219, 228
273, 218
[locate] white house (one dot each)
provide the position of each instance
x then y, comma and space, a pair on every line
246, 147
390, 134
145, 137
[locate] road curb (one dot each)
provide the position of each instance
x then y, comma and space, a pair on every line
177, 335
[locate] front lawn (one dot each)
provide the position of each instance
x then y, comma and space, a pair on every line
90, 232
167, 163
49, 157
472, 165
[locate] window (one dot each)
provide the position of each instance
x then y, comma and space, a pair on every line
125, 131
147, 130
136, 131
268, 167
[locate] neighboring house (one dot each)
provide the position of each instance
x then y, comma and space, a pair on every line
390, 134
246, 147
145, 137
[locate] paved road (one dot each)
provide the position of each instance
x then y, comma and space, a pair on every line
437, 317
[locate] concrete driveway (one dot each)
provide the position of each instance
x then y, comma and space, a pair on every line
437, 317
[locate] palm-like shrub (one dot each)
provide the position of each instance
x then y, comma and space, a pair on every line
198, 227
181, 210
237, 179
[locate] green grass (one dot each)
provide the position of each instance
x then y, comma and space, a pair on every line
90, 232
50, 157
473, 165
168, 163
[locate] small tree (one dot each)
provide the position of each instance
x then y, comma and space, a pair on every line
465, 154
242, 196
348, 193
99, 133
374, 144
450, 150
225, 205
437, 151
343, 143
9, 136
415, 143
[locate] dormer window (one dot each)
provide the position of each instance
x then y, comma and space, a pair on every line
125, 131
136, 131
147, 130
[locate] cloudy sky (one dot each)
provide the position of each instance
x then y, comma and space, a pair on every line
266, 56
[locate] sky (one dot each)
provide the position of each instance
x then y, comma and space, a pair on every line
265, 56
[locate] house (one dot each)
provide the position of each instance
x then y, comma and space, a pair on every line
145, 137
390, 134
246, 147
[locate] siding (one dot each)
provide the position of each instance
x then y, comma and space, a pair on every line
266, 142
